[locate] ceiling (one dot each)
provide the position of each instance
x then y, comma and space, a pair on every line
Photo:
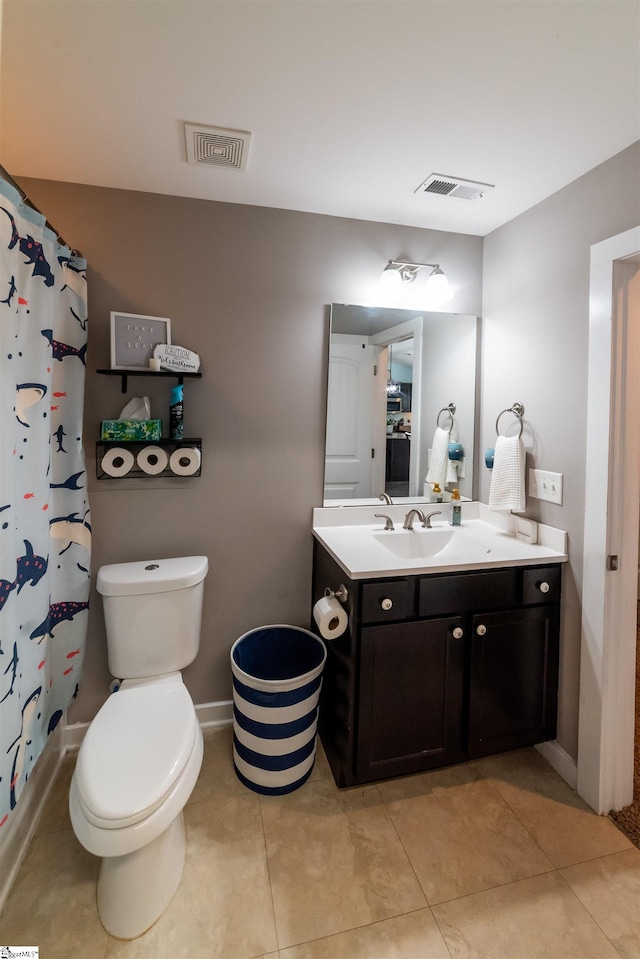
351, 103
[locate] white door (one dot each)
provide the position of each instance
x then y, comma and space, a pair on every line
349, 465
609, 579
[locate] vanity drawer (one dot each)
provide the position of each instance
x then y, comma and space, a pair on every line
541, 584
463, 592
387, 600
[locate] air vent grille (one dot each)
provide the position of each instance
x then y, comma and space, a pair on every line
439, 185
214, 146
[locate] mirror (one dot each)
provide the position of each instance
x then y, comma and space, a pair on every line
392, 377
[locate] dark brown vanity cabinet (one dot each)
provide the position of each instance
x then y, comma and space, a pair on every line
410, 690
512, 679
437, 669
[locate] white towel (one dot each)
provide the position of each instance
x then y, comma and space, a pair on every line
507, 476
442, 470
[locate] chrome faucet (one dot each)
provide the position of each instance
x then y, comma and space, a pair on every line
408, 520
425, 520
385, 498
388, 522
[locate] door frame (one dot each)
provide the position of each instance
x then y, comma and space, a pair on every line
612, 492
403, 331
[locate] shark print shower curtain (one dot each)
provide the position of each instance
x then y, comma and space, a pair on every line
45, 531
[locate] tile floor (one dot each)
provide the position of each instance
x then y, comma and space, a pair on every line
495, 859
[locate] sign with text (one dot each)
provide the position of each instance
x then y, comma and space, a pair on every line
134, 337
177, 359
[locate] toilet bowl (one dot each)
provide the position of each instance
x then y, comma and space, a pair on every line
142, 754
136, 769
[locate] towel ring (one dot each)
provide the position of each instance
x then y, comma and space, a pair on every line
450, 409
518, 410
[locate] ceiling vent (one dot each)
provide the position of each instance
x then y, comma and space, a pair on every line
439, 185
215, 147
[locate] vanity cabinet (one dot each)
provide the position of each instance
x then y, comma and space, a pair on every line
437, 669
512, 679
410, 688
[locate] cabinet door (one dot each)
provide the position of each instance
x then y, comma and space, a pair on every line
410, 697
513, 679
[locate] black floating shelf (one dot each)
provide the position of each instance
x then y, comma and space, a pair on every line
124, 374
136, 446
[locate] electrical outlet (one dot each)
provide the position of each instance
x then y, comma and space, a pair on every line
545, 485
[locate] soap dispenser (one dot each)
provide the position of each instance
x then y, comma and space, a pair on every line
455, 508
436, 496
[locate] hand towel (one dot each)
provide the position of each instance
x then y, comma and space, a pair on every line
442, 470
507, 475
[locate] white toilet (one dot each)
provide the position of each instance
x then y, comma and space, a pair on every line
142, 753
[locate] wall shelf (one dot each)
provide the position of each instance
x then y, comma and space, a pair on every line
172, 469
124, 374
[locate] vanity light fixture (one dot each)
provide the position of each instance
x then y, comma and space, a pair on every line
398, 272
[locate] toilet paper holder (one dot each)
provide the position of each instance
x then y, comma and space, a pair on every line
341, 593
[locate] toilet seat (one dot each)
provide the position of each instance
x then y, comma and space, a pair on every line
135, 751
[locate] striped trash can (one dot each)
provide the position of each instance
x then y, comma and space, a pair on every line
277, 674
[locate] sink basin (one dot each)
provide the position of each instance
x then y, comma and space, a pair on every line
415, 544
357, 540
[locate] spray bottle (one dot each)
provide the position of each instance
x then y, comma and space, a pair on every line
176, 422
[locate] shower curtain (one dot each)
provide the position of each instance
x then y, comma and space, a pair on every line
45, 531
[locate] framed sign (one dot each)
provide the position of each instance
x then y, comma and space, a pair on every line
134, 338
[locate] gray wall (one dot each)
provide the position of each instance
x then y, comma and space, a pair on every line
247, 288
535, 347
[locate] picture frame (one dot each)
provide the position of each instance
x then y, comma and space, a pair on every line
134, 336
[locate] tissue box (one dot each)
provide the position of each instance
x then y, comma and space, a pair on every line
131, 430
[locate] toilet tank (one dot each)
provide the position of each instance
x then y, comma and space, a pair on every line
153, 614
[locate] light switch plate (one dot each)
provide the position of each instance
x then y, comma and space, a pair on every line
545, 485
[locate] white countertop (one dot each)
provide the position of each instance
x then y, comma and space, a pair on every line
485, 539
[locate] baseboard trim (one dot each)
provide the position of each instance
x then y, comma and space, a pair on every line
212, 715
561, 761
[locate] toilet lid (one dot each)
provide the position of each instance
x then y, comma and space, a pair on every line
134, 752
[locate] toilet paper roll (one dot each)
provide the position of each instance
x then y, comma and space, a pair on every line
152, 460
117, 461
185, 461
330, 617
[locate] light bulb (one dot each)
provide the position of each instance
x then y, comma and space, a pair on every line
390, 279
438, 286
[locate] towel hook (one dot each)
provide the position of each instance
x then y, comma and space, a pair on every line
518, 411
450, 409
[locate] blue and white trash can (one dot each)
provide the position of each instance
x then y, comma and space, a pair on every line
277, 674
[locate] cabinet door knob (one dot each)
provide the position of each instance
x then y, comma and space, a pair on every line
458, 632
386, 603
544, 587
481, 629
